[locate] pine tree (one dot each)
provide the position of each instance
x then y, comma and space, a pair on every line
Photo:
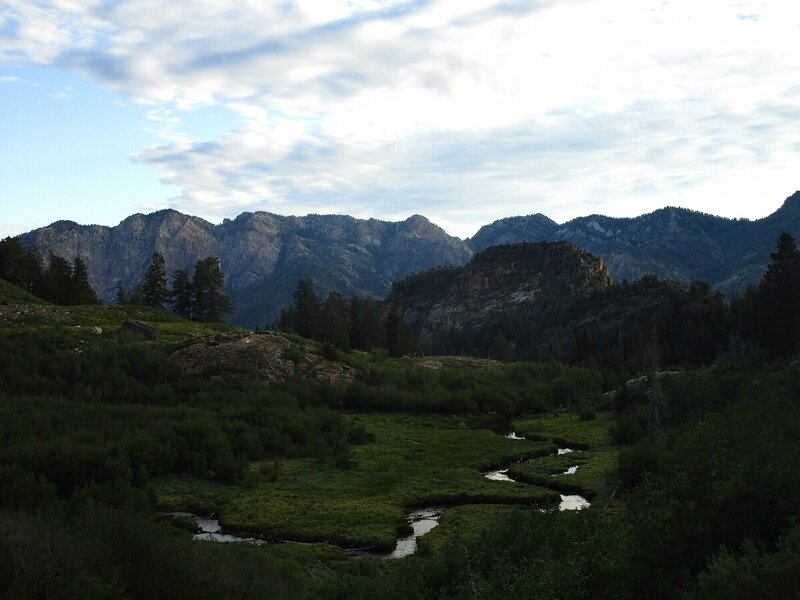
181, 294
11, 253
306, 309
335, 321
367, 330
779, 292
80, 292
55, 284
122, 296
209, 303
154, 288
398, 339
19, 265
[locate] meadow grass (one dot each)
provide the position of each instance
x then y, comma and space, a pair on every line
414, 460
596, 459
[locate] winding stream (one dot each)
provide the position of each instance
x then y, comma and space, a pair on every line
498, 475
421, 520
568, 501
211, 530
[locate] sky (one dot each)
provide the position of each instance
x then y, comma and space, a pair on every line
465, 111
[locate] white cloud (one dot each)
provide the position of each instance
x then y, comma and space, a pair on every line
463, 111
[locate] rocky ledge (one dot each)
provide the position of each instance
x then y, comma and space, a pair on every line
265, 356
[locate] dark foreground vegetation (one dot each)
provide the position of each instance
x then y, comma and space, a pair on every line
695, 489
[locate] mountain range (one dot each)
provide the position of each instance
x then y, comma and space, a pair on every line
673, 243
264, 254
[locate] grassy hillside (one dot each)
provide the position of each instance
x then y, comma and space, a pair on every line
11, 294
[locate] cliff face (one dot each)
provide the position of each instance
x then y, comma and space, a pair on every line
262, 254
529, 282
672, 243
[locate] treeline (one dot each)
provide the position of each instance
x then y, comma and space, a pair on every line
57, 281
506, 391
198, 299
345, 324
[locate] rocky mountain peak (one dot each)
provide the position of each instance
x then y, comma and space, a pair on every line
262, 254
791, 206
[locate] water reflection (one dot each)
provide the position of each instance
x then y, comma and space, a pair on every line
211, 530
421, 521
573, 503
498, 475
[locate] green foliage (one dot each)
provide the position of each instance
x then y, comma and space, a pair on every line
181, 294
11, 294
779, 294
366, 328
306, 310
60, 283
154, 288
753, 574
518, 553
209, 302
80, 292
586, 411
96, 428
293, 353
636, 461
398, 339
355, 324
19, 265
335, 321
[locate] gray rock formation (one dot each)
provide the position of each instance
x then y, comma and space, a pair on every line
531, 283
262, 254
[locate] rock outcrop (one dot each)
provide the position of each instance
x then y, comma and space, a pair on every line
532, 283
260, 355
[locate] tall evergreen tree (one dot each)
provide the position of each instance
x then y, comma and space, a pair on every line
55, 284
19, 265
779, 291
335, 322
181, 294
209, 302
367, 330
154, 288
122, 296
306, 309
80, 292
11, 253
398, 339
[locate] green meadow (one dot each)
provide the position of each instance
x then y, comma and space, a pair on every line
412, 461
